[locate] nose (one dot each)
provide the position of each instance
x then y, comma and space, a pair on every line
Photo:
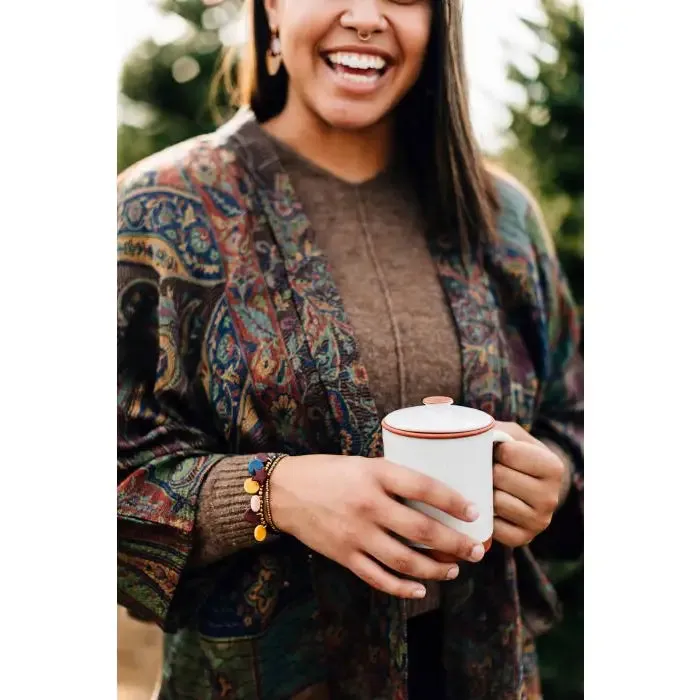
364, 17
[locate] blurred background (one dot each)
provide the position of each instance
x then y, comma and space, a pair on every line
525, 62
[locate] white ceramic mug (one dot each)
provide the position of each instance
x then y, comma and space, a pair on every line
453, 444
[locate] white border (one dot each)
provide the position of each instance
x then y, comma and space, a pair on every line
57, 124
642, 353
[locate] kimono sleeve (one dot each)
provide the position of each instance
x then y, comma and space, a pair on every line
559, 421
168, 443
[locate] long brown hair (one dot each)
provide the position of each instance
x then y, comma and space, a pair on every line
434, 132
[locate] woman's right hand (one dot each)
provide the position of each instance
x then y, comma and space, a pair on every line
345, 508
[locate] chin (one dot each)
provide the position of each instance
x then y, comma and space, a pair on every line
351, 118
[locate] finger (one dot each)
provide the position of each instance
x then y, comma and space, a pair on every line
535, 460
406, 561
377, 577
510, 535
517, 432
517, 512
527, 488
422, 529
408, 483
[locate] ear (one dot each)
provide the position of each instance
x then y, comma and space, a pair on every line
272, 8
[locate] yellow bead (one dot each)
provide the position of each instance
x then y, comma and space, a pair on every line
260, 533
251, 487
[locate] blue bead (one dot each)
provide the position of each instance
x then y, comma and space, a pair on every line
255, 466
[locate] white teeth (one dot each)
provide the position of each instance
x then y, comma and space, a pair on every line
356, 60
365, 79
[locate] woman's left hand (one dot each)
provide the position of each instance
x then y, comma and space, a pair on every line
529, 481
527, 478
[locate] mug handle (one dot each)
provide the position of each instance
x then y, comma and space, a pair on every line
500, 436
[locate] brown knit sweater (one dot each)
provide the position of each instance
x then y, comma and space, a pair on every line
374, 238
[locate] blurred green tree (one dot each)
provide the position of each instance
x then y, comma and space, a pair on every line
166, 80
548, 156
548, 129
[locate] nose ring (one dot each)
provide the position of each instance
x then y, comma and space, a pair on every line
364, 36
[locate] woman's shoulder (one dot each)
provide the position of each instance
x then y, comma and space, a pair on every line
167, 168
173, 206
520, 214
203, 162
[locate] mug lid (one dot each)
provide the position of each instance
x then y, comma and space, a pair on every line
438, 417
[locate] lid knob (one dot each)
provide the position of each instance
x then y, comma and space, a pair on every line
433, 400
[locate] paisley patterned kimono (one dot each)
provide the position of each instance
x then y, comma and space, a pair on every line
233, 340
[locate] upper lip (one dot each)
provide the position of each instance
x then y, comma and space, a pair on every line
362, 50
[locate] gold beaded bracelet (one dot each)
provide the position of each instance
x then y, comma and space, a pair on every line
266, 493
258, 486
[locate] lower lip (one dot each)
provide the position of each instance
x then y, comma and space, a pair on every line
357, 88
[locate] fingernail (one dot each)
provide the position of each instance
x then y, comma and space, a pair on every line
452, 573
419, 592
472, 512
477, 553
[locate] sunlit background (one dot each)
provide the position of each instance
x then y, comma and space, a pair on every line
525, 61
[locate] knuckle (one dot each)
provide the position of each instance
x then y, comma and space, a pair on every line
371, 580
402, 565
423, 488
366, 506
424, 531
464, 548
456, 503
362, 501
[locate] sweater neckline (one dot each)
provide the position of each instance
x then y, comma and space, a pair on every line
291, 157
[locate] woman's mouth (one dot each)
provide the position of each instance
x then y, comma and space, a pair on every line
358, 68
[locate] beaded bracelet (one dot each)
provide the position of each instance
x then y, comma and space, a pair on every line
258, 486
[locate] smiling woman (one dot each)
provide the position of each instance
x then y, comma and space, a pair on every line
337, 251
420, 94
311, 32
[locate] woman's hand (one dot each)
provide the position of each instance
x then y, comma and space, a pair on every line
527, 480
345, 509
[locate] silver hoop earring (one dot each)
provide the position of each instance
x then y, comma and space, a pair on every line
364, 36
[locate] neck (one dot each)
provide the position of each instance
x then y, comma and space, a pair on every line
351, 155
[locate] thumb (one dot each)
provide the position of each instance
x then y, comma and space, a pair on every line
517, 432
